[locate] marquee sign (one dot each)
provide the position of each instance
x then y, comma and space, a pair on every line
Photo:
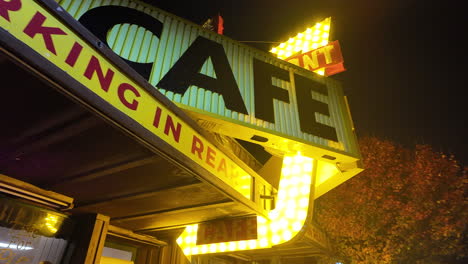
229, 87
234, 89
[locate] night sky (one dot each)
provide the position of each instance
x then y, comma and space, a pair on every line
405, 77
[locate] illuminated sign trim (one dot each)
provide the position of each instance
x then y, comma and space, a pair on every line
285, 221
312, 38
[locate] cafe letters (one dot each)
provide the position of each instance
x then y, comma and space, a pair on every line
186, 72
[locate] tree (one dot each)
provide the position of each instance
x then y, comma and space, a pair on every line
407, 206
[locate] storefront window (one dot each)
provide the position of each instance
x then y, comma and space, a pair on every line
31, 234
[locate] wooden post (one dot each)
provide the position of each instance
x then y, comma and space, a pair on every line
88, 239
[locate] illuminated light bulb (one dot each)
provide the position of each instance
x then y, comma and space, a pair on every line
325, 35
282, 45
308, 37
302, 215
291, 213
286, 171
321, 72
262, 230
232, 246
222, 247
282, 194
284, 183
288, 54
326, 27
276, 239
189, 228
317, 32
308, 30
186, 251
296, 169
315, 38
213, 248
283, 224
179, 240
314, 46
299, 158
287, 235
295, 181
261, 220
324, 42
280, 53
252, 244
204, 249
263, 242
297, 226
273, 215
300, 35
188, 239
291, 204
194, 250
291, 40
307, 167
297, 48
293, 193
318, 25
287, 160
274, 50
289, 47
280, 204
242, 245
304, 202
305, 190
274, 226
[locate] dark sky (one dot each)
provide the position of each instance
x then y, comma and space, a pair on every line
405, 59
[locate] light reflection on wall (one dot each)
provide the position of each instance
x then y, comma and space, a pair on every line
284, 222
51, 223
14, 246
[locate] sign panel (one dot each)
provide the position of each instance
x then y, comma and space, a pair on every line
232, 88
224, 230
323, 57
33, 25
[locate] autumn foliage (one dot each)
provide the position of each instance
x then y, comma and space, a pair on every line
408, 206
